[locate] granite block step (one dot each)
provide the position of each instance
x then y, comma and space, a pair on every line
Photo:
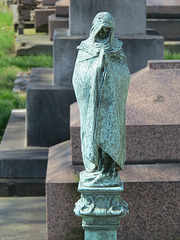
151, 190
23, 163
22, 169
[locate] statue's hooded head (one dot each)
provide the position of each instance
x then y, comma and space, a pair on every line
102, 30
102, 36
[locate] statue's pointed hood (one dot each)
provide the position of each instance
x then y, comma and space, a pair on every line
102, 19
93, 45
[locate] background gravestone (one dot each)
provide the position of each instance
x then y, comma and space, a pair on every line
130, 16
139, 46
164, 16
60, 18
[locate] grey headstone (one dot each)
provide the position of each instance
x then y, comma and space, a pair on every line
129, 15
138, 50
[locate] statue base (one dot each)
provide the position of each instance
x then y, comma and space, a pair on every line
101, 210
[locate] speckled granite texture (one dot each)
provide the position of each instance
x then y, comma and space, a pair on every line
164, 64
152, 116
61, 195
151, 190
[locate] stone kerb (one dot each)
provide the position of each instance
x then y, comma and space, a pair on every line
130, 16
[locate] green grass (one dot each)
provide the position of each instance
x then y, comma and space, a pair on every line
9, 101
6, 31
10, 66
171, 56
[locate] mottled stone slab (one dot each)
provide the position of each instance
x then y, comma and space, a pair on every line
151, 191
153, 97
152, 116
164, 64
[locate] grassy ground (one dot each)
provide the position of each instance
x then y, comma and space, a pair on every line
10, 66
171, 56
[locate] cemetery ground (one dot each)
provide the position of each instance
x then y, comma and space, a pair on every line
24, 216
10, 65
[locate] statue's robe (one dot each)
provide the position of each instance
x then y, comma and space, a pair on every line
101, 80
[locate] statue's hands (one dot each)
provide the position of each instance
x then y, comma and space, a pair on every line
102, 59
102, 56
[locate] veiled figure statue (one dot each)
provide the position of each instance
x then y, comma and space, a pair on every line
101, 80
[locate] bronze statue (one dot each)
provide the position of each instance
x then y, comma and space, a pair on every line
101, 80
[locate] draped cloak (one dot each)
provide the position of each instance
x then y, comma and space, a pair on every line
101, 80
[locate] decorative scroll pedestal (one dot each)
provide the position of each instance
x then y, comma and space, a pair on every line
101, 210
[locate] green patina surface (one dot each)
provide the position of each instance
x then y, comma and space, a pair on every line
101, 80
99, 235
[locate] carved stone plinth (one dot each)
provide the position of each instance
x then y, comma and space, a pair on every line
101, 210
